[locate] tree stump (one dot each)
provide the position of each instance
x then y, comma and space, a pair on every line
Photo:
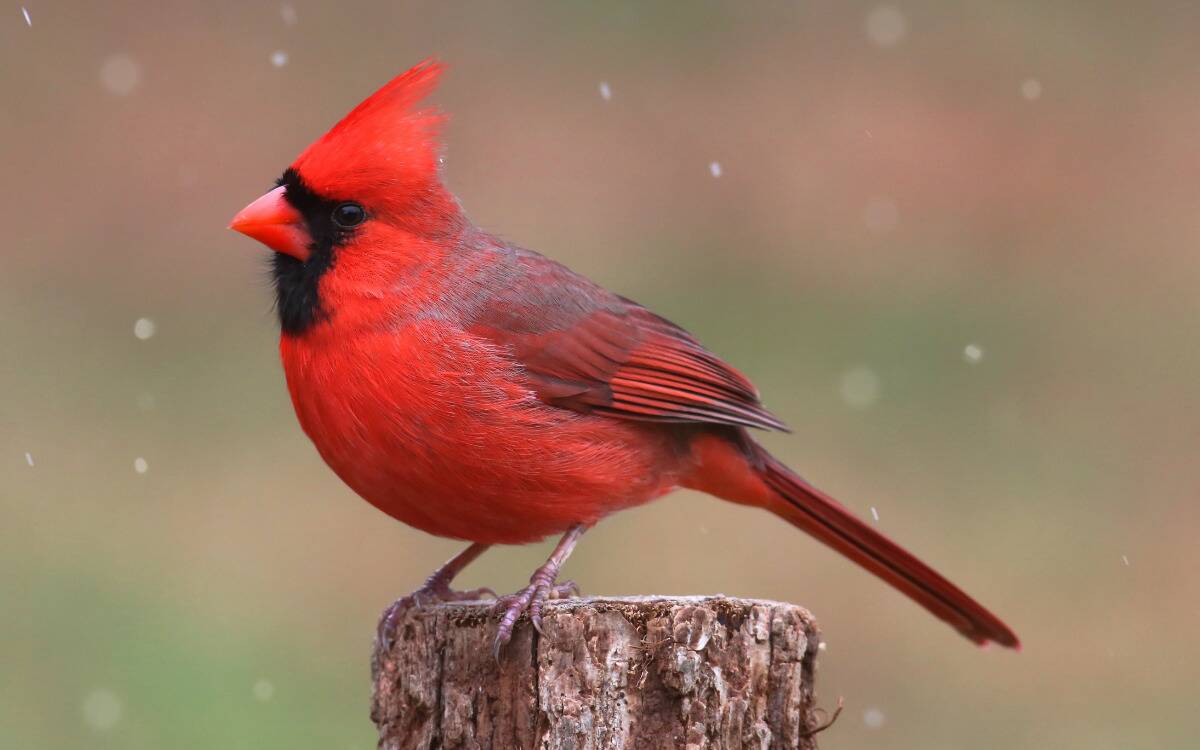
643, 673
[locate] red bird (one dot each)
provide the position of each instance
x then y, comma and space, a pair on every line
480, 391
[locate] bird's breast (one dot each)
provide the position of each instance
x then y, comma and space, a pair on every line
438, 429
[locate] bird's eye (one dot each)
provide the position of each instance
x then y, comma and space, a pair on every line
349, 215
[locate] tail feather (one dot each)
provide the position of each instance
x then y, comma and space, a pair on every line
826, 519
804, 506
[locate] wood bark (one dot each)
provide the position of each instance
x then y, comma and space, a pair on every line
607, 674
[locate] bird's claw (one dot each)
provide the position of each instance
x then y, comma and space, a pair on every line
564, 590
529, 599
428, 594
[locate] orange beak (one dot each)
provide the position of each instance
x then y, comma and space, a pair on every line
276, 223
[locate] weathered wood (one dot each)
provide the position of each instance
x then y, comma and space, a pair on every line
608, 674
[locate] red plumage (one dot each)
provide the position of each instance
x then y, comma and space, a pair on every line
480, 391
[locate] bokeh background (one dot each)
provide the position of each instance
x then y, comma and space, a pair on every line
955, 244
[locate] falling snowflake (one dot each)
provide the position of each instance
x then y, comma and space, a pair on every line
605, 91
873, 718
886, 26
972, 353
874, 513
1031, 89
29, 459
28, 20
264, 690
120, 75
279, 58
821, 646
140, 465
144, 328
1124, 558
714, 168
859, 387
102, 710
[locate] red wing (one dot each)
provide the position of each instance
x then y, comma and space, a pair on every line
590, 351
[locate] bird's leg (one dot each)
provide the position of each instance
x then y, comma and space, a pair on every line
435, 589
542, 586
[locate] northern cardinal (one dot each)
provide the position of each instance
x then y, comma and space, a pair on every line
480, 391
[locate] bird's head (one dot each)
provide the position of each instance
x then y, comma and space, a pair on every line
370, 187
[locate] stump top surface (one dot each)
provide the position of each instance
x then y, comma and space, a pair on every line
634, 608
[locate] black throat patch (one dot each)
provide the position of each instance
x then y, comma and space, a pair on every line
297, 295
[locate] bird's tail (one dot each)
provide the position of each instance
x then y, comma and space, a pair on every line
750, 475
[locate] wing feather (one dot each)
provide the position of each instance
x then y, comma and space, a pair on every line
588, 350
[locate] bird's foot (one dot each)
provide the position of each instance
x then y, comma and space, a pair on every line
430, 593
543, 585
541, 588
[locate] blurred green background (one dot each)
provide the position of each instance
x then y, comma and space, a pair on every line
953, 243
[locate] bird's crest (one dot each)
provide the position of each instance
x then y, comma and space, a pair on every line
387, 145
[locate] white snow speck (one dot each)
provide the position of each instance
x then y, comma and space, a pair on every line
874, 513
1124, 558
288, 11
25, 12
279, 58
29, 460
143, 328
880, 215
140, 465
102, 710
605, 91
264, 690
821, 646
859, 387
714, 168
873, 718
886, 26
1031, 89
972, 353
120, 75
